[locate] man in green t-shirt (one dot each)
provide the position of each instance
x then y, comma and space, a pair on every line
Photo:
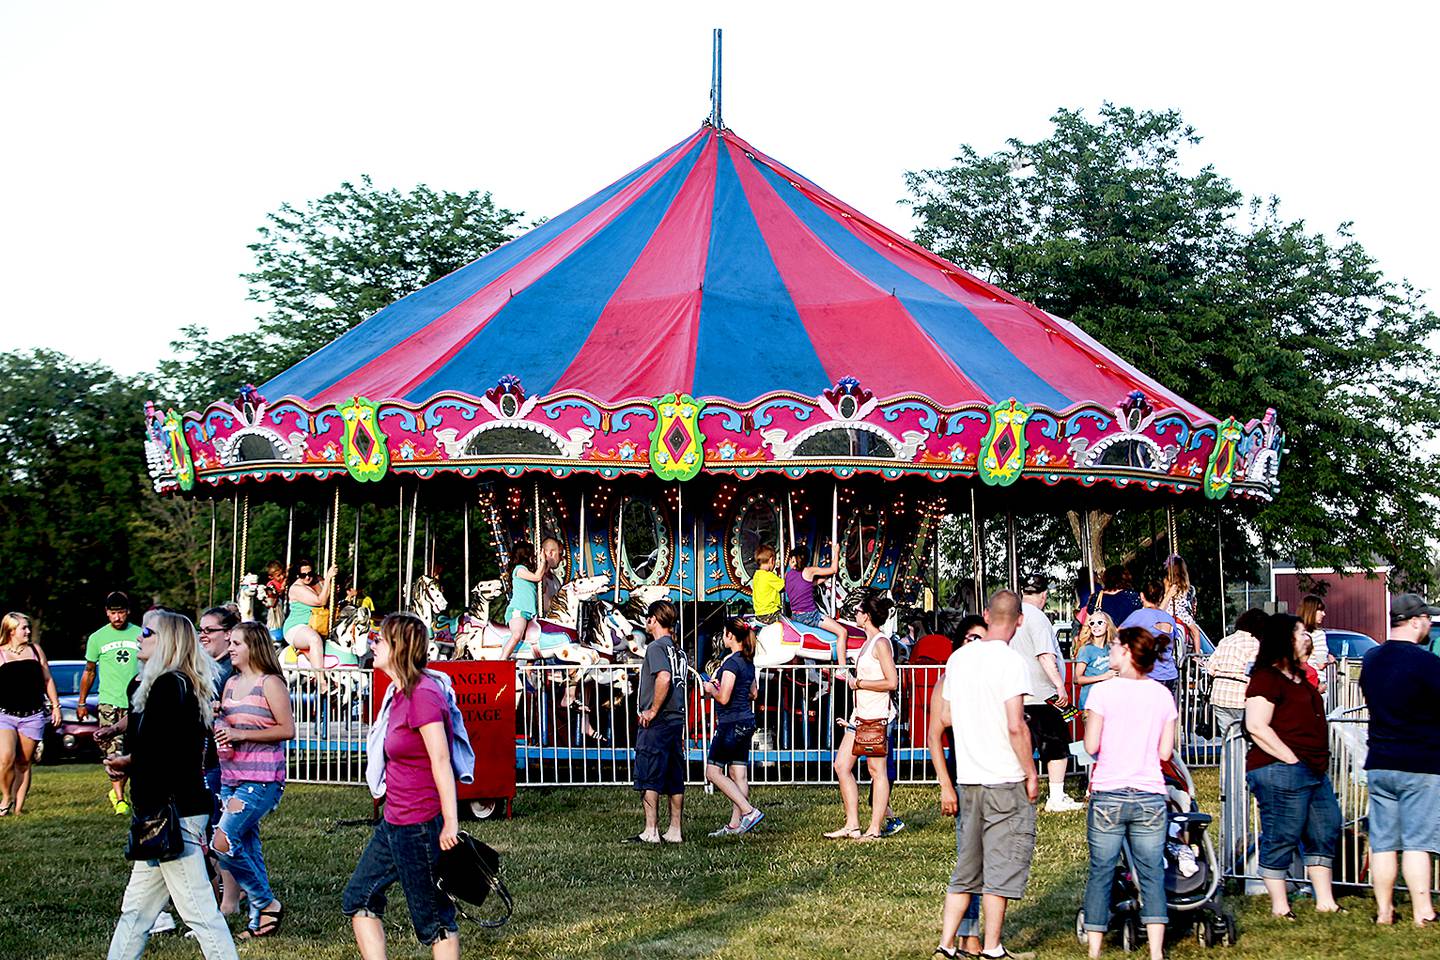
115, 647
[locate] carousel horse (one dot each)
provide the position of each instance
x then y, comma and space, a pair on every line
348, 643
248, 599
785, 640
427, 600
552, 636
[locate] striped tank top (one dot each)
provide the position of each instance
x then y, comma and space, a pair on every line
254, 762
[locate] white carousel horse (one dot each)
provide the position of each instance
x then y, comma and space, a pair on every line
248, 599
427, 600
785, 640
553, 636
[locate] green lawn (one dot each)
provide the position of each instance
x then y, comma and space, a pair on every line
781, 892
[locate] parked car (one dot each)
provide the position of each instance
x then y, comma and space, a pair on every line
1348, 643
75, 737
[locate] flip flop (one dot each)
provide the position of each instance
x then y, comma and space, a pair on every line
269, 923
639, 839
867, 836
844, 833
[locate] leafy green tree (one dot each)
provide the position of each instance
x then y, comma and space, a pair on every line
1106, 222
70, 487
326, 265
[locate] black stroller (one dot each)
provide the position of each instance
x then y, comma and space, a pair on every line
1192, 876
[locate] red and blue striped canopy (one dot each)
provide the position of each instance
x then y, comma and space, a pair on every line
714, 270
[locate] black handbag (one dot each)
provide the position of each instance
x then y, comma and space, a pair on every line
155, 836
469, 872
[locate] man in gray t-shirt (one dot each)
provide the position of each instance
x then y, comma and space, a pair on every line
660, 741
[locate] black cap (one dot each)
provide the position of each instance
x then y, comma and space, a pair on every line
117, 601
1034, 583
1407, 606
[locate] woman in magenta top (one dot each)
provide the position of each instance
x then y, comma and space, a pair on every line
250, 734
1129, 729
421, 817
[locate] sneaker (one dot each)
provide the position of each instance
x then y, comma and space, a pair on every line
1062, 804
118, 804
893, 825
726, 830
747, 822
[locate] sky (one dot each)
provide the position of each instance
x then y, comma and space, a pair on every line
145, 142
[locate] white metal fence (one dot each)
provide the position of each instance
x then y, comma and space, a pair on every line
576, 725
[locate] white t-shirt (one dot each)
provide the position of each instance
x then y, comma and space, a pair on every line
979, 678
1036, 636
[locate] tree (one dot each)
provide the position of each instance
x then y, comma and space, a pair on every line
71, 484
1229, 304
325, 266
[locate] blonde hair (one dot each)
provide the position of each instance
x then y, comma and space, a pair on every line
408, 640
1111, 633
177, 650
260, 647
9, 624
1177, 575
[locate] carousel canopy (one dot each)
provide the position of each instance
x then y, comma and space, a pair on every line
716, 271
714, 311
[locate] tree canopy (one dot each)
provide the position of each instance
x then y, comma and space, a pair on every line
1105, 222
323, 267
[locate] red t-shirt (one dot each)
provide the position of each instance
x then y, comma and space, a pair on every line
1299, 719
410, 792
1312, 675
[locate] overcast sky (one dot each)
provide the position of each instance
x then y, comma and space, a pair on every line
145, 142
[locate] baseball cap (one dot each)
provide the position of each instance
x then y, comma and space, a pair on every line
1034, 583
117, 601
1408, 606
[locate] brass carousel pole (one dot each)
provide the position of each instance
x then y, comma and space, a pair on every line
619, 557
234, 545
465, 529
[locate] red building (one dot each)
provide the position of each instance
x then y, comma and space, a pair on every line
1356, 598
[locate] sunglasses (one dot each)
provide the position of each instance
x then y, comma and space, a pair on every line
146, 633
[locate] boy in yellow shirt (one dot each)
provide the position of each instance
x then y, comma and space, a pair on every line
767, 585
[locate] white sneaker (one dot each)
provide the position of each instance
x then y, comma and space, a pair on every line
1062, 804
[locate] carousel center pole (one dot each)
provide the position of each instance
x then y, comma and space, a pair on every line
234, 547
619, 563
214, 511
977, 553
1012, 553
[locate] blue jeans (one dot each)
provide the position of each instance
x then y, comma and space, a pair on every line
407, 854
1116, 816
245, 860
1297, 811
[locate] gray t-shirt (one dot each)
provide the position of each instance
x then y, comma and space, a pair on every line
662, 656
1036, 636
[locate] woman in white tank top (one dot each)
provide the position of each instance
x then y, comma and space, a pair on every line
873, 682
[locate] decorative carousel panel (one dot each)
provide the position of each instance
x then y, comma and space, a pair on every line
863, 552
643, 542
757, 522
843, 432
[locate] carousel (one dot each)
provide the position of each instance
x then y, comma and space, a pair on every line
710, 354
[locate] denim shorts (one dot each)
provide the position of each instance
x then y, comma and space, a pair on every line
660, 758
408, 854
1298, 811
811, 618
731, 744
1404, 811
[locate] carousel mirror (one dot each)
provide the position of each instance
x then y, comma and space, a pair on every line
552, 526
758, 523
644, 549
863, 547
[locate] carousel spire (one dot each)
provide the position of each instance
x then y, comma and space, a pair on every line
716, 119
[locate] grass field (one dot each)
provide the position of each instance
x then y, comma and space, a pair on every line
780, 892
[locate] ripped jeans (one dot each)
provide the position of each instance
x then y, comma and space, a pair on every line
244, 858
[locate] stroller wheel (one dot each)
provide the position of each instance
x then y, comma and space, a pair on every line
1227, 930
1130, 938
1206, 933
1080, 933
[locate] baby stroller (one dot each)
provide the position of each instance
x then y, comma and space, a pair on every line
1192, 876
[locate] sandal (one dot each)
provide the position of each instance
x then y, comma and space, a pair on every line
844, 833
269, 923
5, 810
867, 836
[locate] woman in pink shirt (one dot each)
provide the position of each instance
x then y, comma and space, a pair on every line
421, 817
1130, 729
